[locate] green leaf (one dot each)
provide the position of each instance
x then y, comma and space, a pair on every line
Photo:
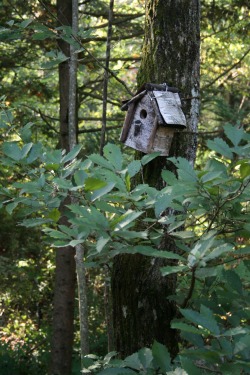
79, 178
30, 223
169, 177
145, 356
245, 170
72, 154
133, 362
124, 220
101, 243
161, 356
205, 318
117, 371
168, 270
134, 167
54, 215
163, 201
210, 176
220, 146
148, 158
25, 150
98, 159
25, 132
100, 192
92, 184
114, 155
74, 243
185, 169
232, 280
186, 328
56, 234
25, 23
235, 134
12, 150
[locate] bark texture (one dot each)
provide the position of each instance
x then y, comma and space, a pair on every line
65, 276
142, 310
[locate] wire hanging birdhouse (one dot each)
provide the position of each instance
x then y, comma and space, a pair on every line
153, 115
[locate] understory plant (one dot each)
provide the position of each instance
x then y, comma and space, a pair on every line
210, 225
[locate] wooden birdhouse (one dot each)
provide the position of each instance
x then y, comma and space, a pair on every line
154, 114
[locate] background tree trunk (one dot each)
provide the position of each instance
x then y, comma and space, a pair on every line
142, 311
65, 276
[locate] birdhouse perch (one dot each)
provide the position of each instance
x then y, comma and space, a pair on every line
153, 115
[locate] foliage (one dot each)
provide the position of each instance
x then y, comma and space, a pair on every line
210, 227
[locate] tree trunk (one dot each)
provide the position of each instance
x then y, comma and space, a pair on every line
142, 311
65, 277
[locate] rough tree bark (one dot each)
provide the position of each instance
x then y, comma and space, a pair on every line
142, 312
65, 276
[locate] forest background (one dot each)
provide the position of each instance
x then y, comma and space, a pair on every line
32, 48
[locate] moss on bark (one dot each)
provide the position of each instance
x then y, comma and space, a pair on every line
142, 310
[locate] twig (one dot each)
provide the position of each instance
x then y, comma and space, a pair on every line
191, 289
227, 70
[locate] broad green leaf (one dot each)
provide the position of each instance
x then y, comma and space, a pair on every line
186, 328
12, 150
163, 201
177, 371
30, 223
242, 344
145, 356
183, 234
74, 243
210, 176
205, 319
185, 170
233, 280
56, 234
25, 23
54, 214
161, 356
133, 362
72, 154
92, 184
25, 150
101, 243
236, 331
124, 220
100, 192
25, 132
99, 160
169, 177
218, 251
148, 158
245, 170
134, 167
234, 133
189, 366
80, 177
220, 146
113, 154
117, 371
150, 251
168, 270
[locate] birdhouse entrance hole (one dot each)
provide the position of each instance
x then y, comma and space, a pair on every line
143, 113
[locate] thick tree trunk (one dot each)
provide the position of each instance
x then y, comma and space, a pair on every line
65, 276
142, 311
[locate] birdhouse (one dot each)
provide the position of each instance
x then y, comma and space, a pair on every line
154, 114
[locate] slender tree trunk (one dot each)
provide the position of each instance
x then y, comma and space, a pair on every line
142, 310
73, 120
65, 279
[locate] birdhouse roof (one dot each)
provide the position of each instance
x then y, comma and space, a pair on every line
165, 101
